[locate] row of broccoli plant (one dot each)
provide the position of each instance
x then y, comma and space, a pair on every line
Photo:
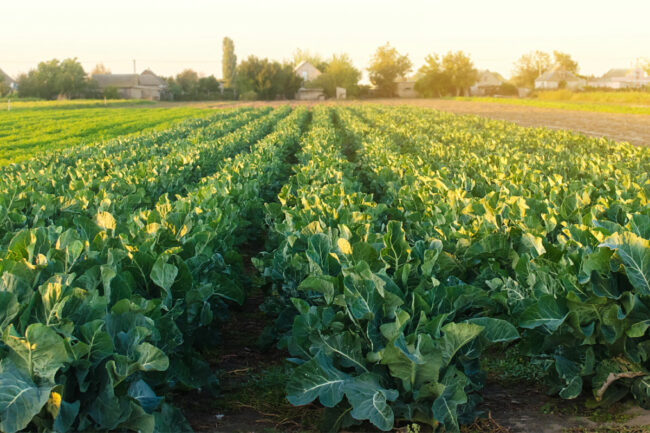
123, 149
374, 336
156, 140
554, 227
102, 316
121, 183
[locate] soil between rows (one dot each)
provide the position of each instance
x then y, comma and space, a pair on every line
252, 400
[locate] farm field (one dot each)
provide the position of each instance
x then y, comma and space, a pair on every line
632, 128
642, 107
600, 97
31, 104
30, 131
403, 259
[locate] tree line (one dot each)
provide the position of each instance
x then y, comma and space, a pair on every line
451, 74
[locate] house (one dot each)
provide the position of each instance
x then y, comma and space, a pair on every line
146, 85
307, 94
341, 93
558, 78
308, 72
622, 78
487, 83
5, 78
406, 89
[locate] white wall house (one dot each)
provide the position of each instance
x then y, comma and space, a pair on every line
133, 86
406, 89
622, 78
13, 85
557, 78
308, 72
486, 80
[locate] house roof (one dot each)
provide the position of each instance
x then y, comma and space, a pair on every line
499, 76
151, 80
305, 63
636, 73
6, 77
557, 75
486, 75
299, 65
616, 72
147, 78
116, 80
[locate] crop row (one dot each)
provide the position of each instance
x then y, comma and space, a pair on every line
100, 312
556, 235
24, 134
134, 177
482, 233
372, 336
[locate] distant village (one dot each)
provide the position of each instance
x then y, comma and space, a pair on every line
313, 79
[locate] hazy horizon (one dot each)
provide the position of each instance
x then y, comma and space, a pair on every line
169, 38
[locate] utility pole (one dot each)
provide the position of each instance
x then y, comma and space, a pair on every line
134, 67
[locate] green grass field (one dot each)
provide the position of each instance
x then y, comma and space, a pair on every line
35, 127
574, 105
598, 97
37, 104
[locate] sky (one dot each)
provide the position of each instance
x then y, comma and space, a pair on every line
169, 36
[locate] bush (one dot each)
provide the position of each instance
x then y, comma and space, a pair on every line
248, 96
111, 93
228, 94
508, 89
364, 91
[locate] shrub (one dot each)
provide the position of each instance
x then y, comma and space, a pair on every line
508, 89
111, 93
248, 96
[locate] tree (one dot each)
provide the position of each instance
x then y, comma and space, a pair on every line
530, 66
253, 76
460, 71
340, 72
72, 79
228, 62
100, 69
174, 89
305, 55
256, 75
188, 81
263, 79
385, 67
187, 86
4, 86
565, 62
53, 79
286, 81
431, 81
208, 87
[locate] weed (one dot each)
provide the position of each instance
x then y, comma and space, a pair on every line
511, 367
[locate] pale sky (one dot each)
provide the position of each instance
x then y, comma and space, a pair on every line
169, 36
